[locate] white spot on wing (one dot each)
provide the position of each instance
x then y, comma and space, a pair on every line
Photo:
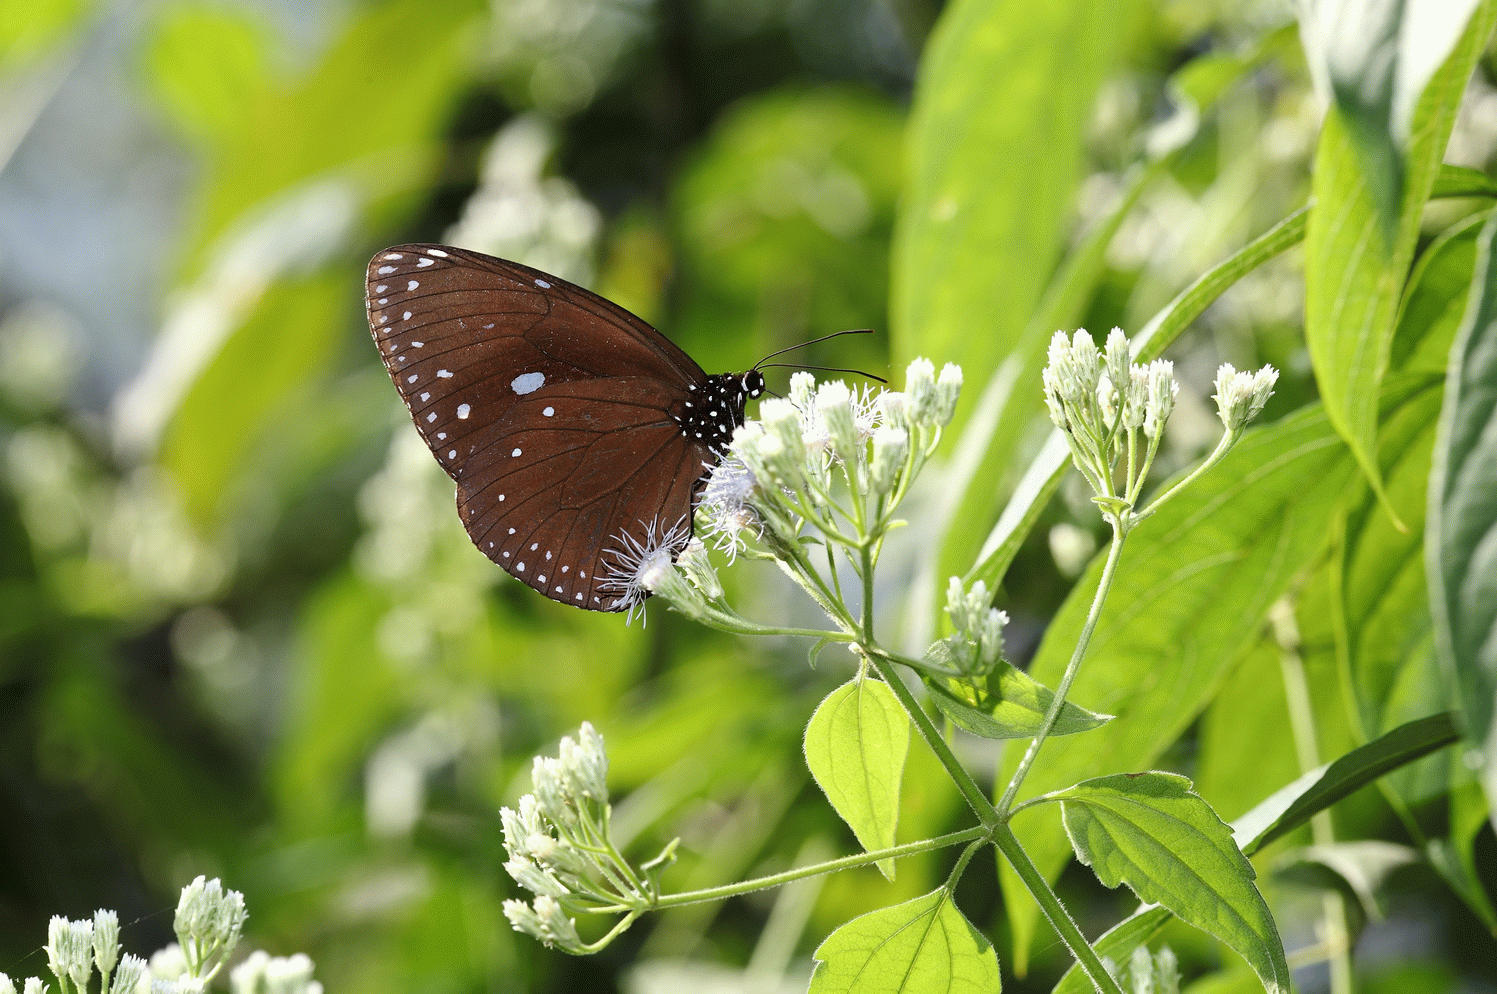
425, 397
393, 255
418, 345
431, 417
412, 378
444, 374
527, 383
451, 453
423, 263
515, 454
381, 289
406, 316
462, 411
549, 411
437, 252
543, 284
412, 285
386, 270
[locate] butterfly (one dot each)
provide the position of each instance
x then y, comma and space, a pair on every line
578, 435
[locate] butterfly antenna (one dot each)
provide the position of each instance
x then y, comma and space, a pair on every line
823, 338
825, 369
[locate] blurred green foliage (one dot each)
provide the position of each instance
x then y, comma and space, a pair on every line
243, 633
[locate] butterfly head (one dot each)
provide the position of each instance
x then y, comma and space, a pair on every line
753, 384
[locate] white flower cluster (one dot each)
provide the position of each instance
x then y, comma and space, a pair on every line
778, 471
560, 848
976, 645
261, 973
1102, 401
208, 922
1240, 396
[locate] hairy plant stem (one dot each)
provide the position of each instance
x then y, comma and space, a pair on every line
976, 798
1052, 714
973, 834
1008, 843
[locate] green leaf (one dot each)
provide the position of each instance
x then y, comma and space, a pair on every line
1356, 262
996, 144
1461, 528
855, 748
1187, 602
1128, 934
1377, 58
1293, 805
1011, 706
207, 64
1233, 771
920, 946
1453, 857
1436, 299
1361, 866
1152, 832
1459, 181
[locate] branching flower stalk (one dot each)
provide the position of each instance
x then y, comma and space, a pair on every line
815, 483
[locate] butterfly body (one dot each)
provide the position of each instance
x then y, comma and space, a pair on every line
576, 433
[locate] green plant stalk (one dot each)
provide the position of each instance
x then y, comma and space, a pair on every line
1008, 844
1307, 751
976, 798
1052, 714
975, 833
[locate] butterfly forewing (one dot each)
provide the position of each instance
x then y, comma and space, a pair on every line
558, 414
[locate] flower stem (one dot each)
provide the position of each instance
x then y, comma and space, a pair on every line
974, 833
1060, 918
976, 798
1053, 712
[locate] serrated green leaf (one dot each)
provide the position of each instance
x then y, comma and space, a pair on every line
856, 744
1461, 528
1292, 806
1188, 598
1152, 832
924, 946
1357, 257
1012, 706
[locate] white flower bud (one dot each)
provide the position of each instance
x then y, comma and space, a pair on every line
57, 946
890, 448
920, 387
106, 940
586, 763
834, 405
1107, 401
894, 409
1118, 357
168, 963
1162, 392
948, 391
534, 879
35, 986
552, 791
132, 969
1053, 400
6, 985
991, 641
697, 565
802, 390
1240, 396
522, 918
556, 928
1136, 397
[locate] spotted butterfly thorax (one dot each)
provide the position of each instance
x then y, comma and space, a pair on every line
578, 435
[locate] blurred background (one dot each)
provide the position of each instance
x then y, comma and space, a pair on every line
242, 632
